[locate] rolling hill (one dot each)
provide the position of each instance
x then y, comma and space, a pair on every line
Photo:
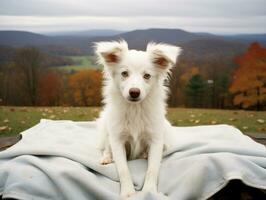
193, 43
248, 38
22, 38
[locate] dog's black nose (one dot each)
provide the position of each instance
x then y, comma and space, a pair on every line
134, 93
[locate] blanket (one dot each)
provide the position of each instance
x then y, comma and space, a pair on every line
59, 160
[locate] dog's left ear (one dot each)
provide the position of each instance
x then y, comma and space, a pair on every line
163, 56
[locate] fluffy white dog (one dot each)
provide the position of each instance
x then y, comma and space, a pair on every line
132, 123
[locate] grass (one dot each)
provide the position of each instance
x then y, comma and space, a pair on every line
82, 62
17, 119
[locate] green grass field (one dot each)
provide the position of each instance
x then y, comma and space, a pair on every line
13, 120
83, 62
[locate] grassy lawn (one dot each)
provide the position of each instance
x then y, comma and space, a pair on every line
83, 62
16, 119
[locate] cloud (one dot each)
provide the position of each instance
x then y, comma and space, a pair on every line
222, 16
67, 23
202, 8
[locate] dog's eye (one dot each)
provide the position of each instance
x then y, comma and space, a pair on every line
146, 76
124, 74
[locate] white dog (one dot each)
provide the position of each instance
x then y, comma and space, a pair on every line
132, 123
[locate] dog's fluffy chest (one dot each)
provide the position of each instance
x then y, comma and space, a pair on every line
136, 131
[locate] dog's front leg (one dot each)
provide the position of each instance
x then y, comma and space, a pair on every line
154, 161
120, 158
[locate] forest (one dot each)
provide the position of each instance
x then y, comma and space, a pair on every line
29, 76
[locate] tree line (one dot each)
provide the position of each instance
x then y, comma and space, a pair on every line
27, 81
216, 82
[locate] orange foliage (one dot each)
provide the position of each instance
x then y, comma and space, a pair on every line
249, 79
49, 86
188, 75
85, 87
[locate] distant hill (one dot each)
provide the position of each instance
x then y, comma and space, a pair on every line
81, 42
139, 38
248, 38
22, 38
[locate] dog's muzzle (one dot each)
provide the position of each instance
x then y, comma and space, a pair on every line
134, 94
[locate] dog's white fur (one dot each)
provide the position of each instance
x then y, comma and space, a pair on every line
134, 129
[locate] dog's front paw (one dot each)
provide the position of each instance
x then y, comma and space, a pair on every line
150, 188
127, 192
106, 160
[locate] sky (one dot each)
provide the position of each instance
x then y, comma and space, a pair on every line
213, 16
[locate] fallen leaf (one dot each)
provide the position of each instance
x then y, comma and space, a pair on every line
245, 128
261, 121
3, 128
261, 129
52, 116
6, 121
232, 119
197, 121
213, 122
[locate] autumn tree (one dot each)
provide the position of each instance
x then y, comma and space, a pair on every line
28, 63
249, 78
85, 86
12, 86
49, 89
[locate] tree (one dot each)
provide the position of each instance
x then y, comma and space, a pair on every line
249, 78
28, 62
195, 91
12, 86
85, 86
49, 89
222, 85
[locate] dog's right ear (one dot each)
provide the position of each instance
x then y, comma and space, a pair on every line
110, 53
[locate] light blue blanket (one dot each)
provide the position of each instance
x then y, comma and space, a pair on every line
59, 160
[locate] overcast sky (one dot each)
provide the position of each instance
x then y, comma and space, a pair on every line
215, 16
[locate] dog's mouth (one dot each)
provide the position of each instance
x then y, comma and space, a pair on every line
133, 99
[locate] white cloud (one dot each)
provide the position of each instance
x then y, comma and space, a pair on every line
222, 16
222, 8
214, 25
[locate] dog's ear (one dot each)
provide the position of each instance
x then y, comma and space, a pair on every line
110, 53
163, 56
